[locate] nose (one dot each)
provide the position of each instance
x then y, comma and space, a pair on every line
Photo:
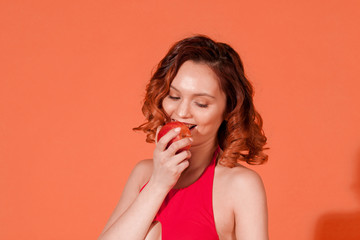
183, 109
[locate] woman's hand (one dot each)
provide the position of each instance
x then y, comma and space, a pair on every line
136, 210
168, 165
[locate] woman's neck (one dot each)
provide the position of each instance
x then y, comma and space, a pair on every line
201, 156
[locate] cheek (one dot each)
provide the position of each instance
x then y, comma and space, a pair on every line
167, 106
210, 120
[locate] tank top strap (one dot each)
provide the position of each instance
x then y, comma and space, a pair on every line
208, 175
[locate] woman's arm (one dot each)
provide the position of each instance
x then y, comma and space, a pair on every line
250, 207
131, 204
134, 222
136, 211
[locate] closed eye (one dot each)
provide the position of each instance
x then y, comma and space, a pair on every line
174, 98
202, 105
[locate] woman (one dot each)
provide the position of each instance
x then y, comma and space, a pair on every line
203, 193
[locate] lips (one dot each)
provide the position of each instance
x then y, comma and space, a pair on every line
189, 125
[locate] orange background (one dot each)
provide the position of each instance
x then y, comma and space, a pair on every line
72, 78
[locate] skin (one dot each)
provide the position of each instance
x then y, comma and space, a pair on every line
239, 201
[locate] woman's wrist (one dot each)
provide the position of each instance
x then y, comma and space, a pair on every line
159, 189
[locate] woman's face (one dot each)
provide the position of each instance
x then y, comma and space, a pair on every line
196, 99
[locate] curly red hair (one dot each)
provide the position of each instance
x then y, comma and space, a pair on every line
240, 135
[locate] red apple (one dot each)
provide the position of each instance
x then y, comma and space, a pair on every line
184, 132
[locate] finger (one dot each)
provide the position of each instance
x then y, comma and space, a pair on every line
157, 132
176, 146
164, 140
183, 165
180, 157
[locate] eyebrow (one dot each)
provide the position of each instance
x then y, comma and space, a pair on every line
196, 94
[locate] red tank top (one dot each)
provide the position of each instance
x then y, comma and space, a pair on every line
187, 213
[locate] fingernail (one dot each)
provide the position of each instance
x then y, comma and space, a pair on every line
177, 129
191, 139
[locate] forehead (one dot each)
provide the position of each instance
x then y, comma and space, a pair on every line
196, 77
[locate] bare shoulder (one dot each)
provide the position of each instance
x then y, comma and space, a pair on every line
142, 171
240, 203
140, 174
144, 165
239, 175
244, 192
241, 181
